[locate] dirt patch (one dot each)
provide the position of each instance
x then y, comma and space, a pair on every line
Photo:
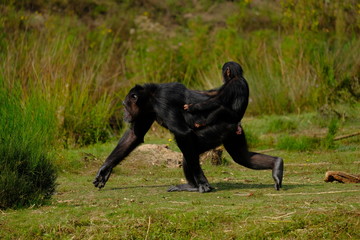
161, 155
157, 155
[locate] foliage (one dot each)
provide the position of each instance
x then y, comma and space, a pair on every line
27, 175
302, 143
84, 56
280, 124
328, 142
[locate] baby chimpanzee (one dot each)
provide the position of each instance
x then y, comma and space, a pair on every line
228, 104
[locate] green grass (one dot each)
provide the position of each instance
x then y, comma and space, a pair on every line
135, 205
27, 132
302, 143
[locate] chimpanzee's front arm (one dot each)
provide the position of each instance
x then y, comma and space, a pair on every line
128, 142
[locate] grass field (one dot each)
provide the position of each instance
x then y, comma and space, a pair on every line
66, 66
135, 205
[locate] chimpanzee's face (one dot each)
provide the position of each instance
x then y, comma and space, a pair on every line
231, 70
135, 103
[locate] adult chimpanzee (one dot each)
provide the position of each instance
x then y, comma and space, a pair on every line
229, 103
164, 103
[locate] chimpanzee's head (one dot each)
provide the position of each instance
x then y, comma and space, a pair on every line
231, 70
136, 103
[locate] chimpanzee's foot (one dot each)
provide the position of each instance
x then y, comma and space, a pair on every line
188, 188
102, 177
277, 172
205, 187
183, 187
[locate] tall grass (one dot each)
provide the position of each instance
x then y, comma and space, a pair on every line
27, 130
83, 58
68, 66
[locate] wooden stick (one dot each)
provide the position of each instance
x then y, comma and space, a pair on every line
342, 177
148, 229
346, 136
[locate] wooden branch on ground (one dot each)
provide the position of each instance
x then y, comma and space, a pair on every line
346, 136
342, 177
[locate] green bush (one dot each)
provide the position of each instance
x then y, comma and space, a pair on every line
27, 175
300, 143
280, 124
328, 141
252, 138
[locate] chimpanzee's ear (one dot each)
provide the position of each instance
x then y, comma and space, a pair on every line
136, 90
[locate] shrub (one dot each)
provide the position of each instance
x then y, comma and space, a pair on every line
280, 124
27, 176
302, 143
328, 141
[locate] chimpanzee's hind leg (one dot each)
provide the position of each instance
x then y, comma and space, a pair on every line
190, 186
195, 177
236, 146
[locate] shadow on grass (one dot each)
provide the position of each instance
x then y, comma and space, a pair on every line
219, 186
223, 186
132, 187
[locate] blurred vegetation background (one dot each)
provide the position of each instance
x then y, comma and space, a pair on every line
67, 65
83, 56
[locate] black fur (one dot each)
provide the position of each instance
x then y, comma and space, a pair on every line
164, 103
229, 103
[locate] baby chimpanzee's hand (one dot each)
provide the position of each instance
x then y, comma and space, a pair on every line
186, 106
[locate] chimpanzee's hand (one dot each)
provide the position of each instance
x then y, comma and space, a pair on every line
102, 176
188, 107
